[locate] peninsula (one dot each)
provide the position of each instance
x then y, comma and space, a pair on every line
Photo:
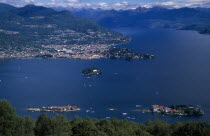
126, 54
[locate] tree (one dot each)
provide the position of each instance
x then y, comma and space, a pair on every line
43, 126
193, 129
106, 127
140, 132
19, 126
29, 125
76, 120
175, 126
85, 128
158, 128
8, 119
61, 126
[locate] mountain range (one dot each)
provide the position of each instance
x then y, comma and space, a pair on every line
157, 17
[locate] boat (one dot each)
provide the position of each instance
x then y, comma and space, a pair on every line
124, 114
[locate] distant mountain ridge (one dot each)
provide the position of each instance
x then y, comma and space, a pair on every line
157, 17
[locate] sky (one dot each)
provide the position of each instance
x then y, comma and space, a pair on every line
111, 4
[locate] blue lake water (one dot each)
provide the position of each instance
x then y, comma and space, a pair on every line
180, 74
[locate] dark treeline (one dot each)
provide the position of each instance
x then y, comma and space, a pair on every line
13, 125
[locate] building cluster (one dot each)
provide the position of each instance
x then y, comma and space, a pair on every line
61, 108
62, 44
167, 110
8, 32
41, 26
78, 51
27, 52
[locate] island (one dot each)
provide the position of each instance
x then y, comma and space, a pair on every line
54, 109
180, 110
91, 71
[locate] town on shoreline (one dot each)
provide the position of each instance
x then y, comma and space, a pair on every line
86, 52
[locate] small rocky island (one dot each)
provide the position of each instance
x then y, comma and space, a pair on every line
91, 71
126, 54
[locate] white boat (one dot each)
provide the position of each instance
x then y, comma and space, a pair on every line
124, 114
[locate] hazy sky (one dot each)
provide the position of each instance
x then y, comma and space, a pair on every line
110, 4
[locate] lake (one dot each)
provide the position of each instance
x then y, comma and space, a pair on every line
179, 74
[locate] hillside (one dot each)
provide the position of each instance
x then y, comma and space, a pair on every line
31, 28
